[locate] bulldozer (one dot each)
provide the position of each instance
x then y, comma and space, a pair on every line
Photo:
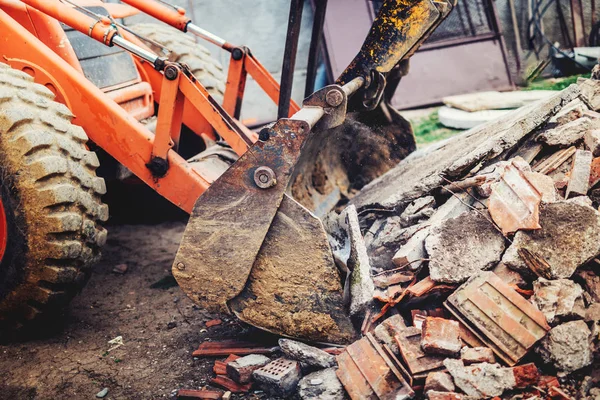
85, 99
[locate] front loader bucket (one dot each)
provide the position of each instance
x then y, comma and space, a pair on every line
249, 248
294, 288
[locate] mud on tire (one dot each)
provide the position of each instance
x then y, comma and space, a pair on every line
51, 195
184, 49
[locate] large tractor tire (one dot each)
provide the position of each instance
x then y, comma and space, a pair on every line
184, 49
50, 208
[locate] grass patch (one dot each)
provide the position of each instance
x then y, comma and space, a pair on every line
430, 130
554, 83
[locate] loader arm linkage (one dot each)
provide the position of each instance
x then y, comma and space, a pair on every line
243, 225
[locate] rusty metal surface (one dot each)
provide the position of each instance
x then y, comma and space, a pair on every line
367, 373
500, 317
334, 100
515, 203
295, 288
230, 220
399, 26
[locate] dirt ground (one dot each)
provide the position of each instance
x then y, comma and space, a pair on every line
159, 325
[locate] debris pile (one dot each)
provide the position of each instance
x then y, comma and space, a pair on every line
470, 270
482, 254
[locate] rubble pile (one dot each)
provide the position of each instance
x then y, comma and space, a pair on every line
482, 249
470, 269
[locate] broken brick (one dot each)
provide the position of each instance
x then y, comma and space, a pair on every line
241, 369
227, 347
213, 322
220, 367
227, 383
365, 370
474, 355
439, 381
557, 393
594, 172
580, 174
526, 375
441, 336
279, 377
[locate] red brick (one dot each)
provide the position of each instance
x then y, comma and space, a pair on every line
526, 375
474, 355
441, 336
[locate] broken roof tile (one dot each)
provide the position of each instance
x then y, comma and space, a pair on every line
498, 316
515, 202
367, 372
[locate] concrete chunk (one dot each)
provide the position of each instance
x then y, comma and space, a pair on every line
570, 236
580, 174
441, 336
567, 134
411, 253
305, 354
559, 300
475, 355
462, 246
592, 141
361, 283
279, 377
544, 184
425, 170
439, 381
241, 369
590, 90
321, 385
567, 346
480, 380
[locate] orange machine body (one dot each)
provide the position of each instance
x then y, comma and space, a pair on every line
41, 37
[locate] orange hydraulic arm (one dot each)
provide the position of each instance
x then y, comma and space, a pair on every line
108, 125
241, 64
